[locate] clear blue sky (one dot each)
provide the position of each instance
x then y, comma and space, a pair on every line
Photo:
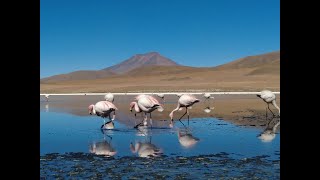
94, 34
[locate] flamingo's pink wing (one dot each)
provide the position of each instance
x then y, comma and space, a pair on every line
110, 105
187, 99
146, 102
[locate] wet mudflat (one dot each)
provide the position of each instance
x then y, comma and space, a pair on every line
208, 147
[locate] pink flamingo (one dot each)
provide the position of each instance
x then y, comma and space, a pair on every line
140, 96
146, 104
186, 100
104, 109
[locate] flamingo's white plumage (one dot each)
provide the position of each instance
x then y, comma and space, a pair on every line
270, 98
47, 97
207, 96
208, 109
160, 95
186, 100
109, 97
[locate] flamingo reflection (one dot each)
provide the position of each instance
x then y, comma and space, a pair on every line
145, 149
186, 139
269, 133
103, 147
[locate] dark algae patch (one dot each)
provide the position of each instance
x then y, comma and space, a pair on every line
212, 166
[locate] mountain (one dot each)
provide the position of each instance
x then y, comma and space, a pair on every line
251, 73
136, 61
139, 60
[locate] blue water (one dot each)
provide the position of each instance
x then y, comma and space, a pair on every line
62, 133
224, 150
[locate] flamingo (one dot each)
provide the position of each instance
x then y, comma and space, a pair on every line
104, 109
109, 97
207, 96
47, 97
186, 100
145, 149
160, 95
269, 97
140, 96
187, 140
146, 104
269, 133
208, 109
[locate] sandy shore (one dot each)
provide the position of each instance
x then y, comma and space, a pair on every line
245, 110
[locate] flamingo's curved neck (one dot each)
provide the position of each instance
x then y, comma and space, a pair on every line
275, 105
136, 107
176, 109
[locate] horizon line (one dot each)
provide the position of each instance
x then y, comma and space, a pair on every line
152, 93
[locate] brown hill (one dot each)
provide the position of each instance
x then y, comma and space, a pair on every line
265, 64
139, 60
247, 74
162, 70
269, 68
252, 61
77, 75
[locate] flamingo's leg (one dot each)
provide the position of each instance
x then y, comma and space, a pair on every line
150, 121
181, 118
270, 110
266, 113
188, 115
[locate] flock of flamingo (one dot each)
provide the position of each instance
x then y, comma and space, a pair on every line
146, 104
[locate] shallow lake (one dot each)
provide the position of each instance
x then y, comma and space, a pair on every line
69, 134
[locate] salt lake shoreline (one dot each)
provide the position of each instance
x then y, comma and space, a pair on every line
240, 108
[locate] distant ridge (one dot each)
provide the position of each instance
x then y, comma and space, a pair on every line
148, 73
77, 75
253, 61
